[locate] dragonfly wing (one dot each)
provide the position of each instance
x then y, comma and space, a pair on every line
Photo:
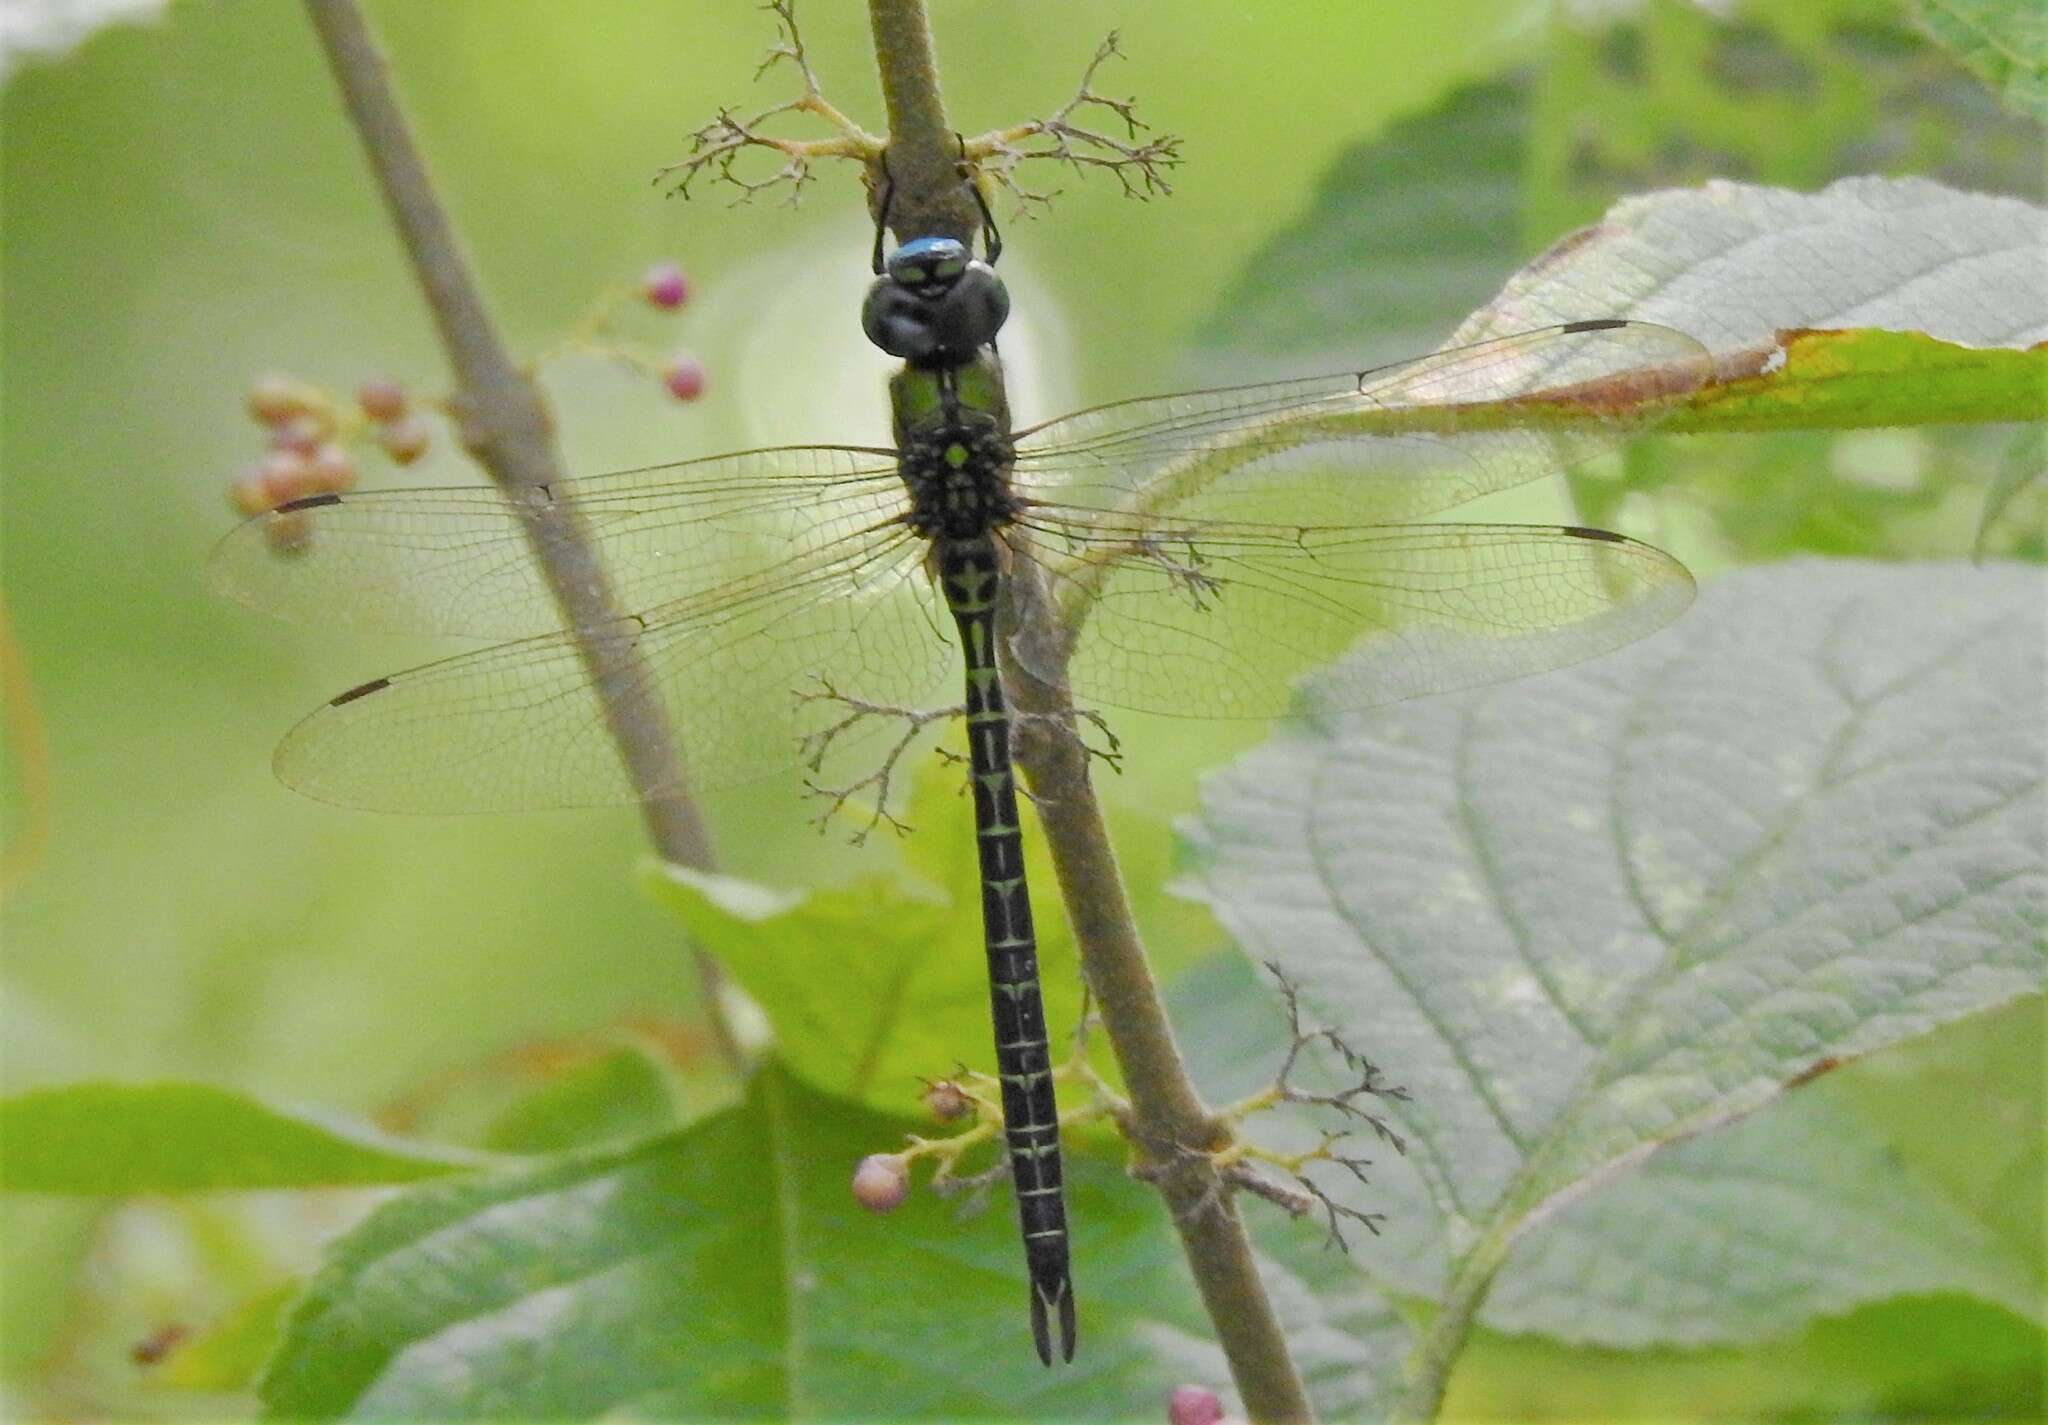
460, 561
521, 726
1394, 444
1222, 625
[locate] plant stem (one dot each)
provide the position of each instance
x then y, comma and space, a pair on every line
1429, 1364
505, 425
1168, 1122
929, 197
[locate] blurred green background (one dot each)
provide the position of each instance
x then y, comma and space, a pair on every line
184, 209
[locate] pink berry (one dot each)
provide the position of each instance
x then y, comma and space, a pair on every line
1193, 1405
248, 493
382, 399
284, 475
329, 470
665, 286
275, 398
301, 434
881, 1182
290, 532
405, 439
684, 377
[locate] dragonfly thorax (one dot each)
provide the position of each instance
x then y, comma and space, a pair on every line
934, 304
957, 474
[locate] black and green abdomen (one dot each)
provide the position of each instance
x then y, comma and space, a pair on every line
969, 576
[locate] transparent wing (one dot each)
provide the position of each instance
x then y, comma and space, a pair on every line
1393, 444
521, 725
1221, 620
459, 561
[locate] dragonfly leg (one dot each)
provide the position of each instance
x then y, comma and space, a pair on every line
991, 237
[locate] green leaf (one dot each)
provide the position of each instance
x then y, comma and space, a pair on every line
724, 1271
624, 1094
1408, 232
1840, 379
229, 1353
116, 1138
2025, 463
1588, 916
1963, 1108
1694, 1248
872, 985
1691, 1249
1734, 264
1918, 1359
1794, 93
2002, 42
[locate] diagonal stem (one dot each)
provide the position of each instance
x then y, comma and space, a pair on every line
505, 425
1168, 1123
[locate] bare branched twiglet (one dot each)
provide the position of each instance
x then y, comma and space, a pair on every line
719, 144
1241, 1164
1370, 1083
1138, 160
1303, 1194
816, 746
858, 712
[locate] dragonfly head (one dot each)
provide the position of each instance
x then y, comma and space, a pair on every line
935, 303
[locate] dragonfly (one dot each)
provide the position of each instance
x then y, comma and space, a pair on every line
1190, 555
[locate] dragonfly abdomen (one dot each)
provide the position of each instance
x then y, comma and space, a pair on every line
969, 578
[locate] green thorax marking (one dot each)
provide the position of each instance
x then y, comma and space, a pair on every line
917, 398
953, 438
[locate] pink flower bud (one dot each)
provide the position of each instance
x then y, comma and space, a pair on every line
284, 475
1193, 1405
405, 439
382, 399
248, 493
665, 286
684, 377
275, 398
329, 470
290, 533
881, 1182
301, 434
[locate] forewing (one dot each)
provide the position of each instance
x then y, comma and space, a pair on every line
1387, 445
1223, 623
460, 560
522, 726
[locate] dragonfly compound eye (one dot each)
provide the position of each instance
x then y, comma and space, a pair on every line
898, 321
972, 310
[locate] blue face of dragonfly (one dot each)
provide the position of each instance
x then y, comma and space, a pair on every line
935, 304
928, 266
